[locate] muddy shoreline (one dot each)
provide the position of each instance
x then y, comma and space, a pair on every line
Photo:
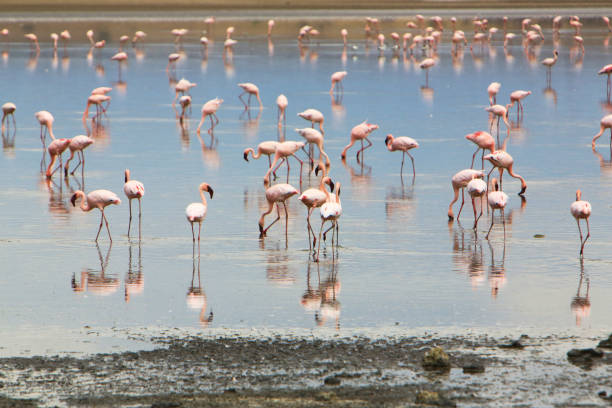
294, 372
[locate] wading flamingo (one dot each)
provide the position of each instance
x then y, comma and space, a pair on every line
182, 87
8, 109
548, 63
314, 198
196, 212
605, 123
282, 103
99, 199
209, 109
133, 189
502, 160
267, 148
46, 121
55, 149
517, 97
313, 116
283, 151
493, 89
476, 188
337, 78
459, 181
499, 111
77, 144
484, 141
98, 100
607, 70
426, 64
330, 211
497, 201
360, 132
251, 89
278, 193
314, 137
581, 210
402, 143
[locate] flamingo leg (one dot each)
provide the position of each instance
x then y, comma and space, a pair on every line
492, 221
79, 153
273, 222
193, 235
199, 232
139, 219
107, 229
412, 159
100, 228
319, 247
402, 167
242, 100
130, 222
363, 148
327, 230
301, 166
474, 156
462, 202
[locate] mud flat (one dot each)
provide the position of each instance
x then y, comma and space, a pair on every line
329, 369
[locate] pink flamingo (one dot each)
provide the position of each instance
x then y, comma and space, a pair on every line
549, 63
267, 148
46, 121
99, 199
55, 149
196, 212
282, 103
77, 144
8, 109
182, 87
337, 78
581, 210
459, 181
517, 97
54, 39
330, 211
209, 109
270, 26
499, 111
606, 20
65, 37
133, 189
502, 160
403, 144
315, 198
497, 201
120, 57
476, 188
251, 89
283, 151
426, 64
278, 193
607, 70
344, 34
172, 59
33, 41
605, 123
360, 132
313, 116
493, 89
98, 100
484, 141
314, 137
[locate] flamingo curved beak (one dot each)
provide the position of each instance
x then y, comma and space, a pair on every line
210, 190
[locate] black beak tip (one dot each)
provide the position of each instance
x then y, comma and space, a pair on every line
246, 157
210, 190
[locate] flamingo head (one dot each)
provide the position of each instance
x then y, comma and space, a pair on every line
127, 175
329, 182
73, 199
578, 195
246, 154
388, 139
206, 187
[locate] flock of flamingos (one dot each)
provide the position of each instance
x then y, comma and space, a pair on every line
421, 39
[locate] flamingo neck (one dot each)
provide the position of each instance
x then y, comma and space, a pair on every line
256, 156
203, 196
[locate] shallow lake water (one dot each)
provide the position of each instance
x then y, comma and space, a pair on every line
400, 262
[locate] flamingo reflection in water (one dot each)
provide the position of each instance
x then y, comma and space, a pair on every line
94, 281
311, 298
196, 297
468, 255
581, 304
134, 279
497, 270
330, 306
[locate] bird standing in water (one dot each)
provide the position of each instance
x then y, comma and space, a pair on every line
581, 210
133, 189
497, 200
196, 212
99, 199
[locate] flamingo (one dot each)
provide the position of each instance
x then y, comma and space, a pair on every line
133, 189
497, 200
270, 26
46, 120
344, 34
283, 151
502, 160
278, 193
101, 90
267, 148
476, 188
337, 78
517, 97
499, 111
581, 210
607, 70
314, 116
139, 37
185, 102
402, 143
54, 38
8, 109
251, 89
484, 141
120, 57
360, 132
196, 212
281, 102
65, 37
459, 181
182, 87
606, 20
313, 136
605, 123
209, 109
493, 89
426, 64
98, 100
548, 63
172, 59
55, 149
99, 199
33, 41
330, 211
77, 144
315, 198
